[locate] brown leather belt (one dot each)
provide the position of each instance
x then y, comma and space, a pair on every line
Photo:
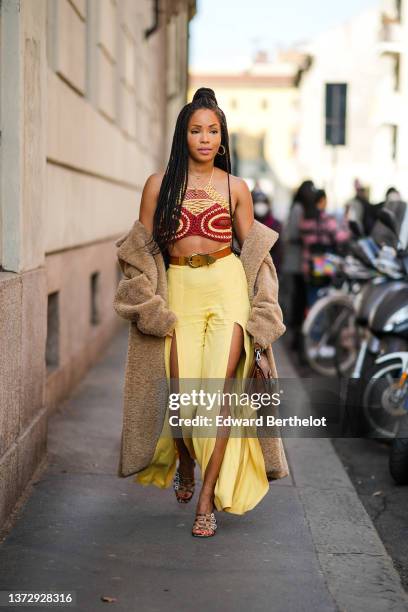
200, 259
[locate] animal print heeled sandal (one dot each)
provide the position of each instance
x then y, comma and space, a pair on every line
183, 485
205, 525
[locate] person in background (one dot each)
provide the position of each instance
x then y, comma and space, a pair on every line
292, 263
320, 234
392, 195
263, 214
361, 214
257, 191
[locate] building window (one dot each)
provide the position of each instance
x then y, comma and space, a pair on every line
389, 142
52, 342
394, 141
95, 311
264, 104
397, 71
335, 113
172, 59
233, 103
398, 9
234, 153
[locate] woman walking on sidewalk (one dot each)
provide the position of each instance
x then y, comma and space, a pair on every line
198, 312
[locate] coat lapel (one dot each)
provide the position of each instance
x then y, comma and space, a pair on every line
133, 250
130, 244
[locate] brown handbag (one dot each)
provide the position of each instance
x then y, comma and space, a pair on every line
256, 381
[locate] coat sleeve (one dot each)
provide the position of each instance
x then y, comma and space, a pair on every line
265, 323
136, 301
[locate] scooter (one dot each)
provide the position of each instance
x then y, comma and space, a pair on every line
334, 328
383, 311
329, 338
382, 394
395, 398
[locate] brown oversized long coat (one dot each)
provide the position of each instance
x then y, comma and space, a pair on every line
141, 297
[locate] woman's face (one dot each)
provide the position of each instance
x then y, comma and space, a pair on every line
322, 203
203, 135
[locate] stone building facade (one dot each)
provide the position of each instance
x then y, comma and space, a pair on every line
90, 90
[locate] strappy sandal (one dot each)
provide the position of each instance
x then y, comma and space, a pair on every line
183, 484
205, 525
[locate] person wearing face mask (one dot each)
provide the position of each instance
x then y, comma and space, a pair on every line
263, 214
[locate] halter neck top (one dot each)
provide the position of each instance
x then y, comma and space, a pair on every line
205, 212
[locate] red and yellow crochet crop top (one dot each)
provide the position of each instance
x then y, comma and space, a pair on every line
205, 212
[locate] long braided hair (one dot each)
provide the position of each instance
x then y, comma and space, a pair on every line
174, 184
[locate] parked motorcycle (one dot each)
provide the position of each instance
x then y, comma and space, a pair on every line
375, 395
335, 327
330, 337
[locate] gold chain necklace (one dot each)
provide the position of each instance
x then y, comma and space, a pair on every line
197, 187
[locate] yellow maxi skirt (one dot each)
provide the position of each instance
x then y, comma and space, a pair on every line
208, 300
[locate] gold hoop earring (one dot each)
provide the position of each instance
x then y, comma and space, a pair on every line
224, 151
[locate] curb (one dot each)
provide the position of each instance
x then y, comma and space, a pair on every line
358, 570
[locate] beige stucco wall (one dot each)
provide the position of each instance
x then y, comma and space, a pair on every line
87, 104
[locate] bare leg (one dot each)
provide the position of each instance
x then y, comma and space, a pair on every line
186, 465
205, 500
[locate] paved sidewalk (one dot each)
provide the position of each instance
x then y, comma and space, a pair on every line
308, 546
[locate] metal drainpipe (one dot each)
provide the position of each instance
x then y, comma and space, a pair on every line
155, 25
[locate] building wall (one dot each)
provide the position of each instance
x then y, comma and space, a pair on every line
87, 103
362, 54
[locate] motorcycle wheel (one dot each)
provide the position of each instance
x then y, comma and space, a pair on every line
381, 413
347, 343
382, 416
320, 330
398, 460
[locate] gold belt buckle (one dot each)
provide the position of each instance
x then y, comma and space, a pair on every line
208, 259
